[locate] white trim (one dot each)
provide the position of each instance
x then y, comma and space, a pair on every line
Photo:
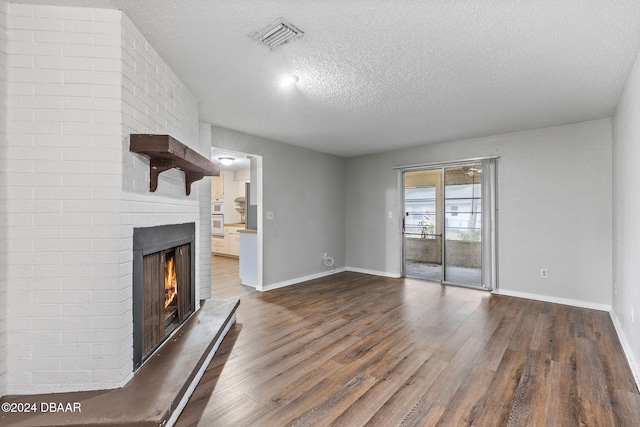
301, 279
196, 379
298, 280
444, 163
556, 300
374, 272
626, 347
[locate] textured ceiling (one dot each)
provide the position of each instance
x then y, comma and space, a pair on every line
376, 75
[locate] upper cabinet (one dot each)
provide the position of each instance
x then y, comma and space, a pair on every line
217, 186
242, 188
242, 177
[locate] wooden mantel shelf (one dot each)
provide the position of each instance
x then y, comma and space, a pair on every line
165, 152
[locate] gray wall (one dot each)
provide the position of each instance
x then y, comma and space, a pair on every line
554, 200
626, 215
305, 191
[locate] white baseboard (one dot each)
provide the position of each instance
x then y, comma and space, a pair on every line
556, 300
301, 279
324, 274
373, 272
626, 347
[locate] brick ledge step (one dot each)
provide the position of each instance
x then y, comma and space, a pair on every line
155, 395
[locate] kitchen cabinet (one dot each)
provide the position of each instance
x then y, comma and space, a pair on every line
230, 243
242, 186
219, 245
217, 186
234, 242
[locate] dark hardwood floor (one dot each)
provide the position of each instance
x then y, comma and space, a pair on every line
353, 350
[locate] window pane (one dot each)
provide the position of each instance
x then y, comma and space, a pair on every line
463, 191
420, 193
463, 206
420, 205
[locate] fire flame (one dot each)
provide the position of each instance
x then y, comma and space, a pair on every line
170, 282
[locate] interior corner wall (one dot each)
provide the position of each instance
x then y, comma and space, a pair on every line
553, 199
204, 192
626, 225
3, 198
305, 191
155, 101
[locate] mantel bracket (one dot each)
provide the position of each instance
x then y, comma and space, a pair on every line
190, 178
156, 167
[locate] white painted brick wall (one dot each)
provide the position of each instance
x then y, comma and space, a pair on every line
154, 100
3, 197
205, 217
64, 181
79, 82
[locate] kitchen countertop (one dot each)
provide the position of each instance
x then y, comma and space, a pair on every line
248, 230
235, 225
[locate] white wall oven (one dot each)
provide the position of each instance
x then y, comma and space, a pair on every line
217, 224
217, 206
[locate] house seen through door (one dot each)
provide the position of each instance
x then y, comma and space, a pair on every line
448, 238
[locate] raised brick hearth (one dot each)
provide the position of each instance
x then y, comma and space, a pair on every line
158, 391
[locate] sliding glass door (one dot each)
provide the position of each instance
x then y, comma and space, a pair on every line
423, 224
463, 225
448, 227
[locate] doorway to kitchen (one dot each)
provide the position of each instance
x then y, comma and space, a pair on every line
236, 223
449, 223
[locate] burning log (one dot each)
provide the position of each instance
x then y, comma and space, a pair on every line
170, 282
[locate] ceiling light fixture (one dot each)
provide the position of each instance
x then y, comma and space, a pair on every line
288, 80
226, 160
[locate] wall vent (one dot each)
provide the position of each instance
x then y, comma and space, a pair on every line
277, 34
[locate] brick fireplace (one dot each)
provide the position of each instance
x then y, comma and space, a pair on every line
76, 195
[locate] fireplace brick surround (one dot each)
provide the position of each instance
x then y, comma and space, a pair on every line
79, 81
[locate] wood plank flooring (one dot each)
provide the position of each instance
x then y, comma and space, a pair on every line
359, 350
224, 278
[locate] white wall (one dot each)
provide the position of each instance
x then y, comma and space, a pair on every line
305, 191
3, 198
554, 199
80, 81
626, 224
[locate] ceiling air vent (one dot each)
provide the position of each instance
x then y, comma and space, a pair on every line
277, 34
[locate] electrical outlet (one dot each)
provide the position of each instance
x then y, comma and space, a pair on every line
269, 215
390, 214
544, 273
324, 255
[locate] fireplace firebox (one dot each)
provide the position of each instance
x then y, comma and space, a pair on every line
163, 284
